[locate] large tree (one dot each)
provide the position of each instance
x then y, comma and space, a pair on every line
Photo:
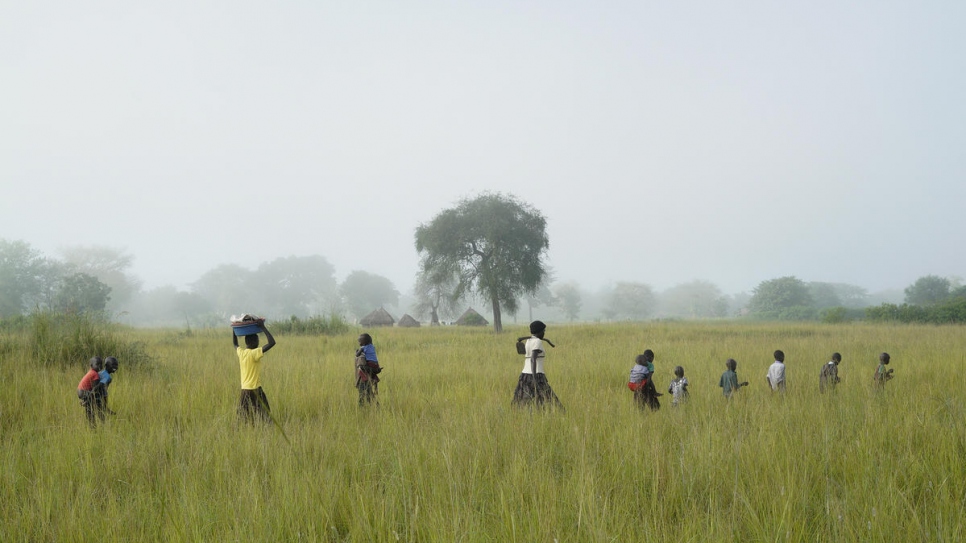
295, 285
110, 266
81, 293
928, 290
22, 277
497, 245
435, 292
630, 301
569, 299
775, 297
365, 292
694, 300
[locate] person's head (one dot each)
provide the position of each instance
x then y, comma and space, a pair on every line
97, 364
779, 356
648, 355
836, 357
640, 360
731, 364
679, 372
537, 328
884, 358
110, 364
365, 339
251, 341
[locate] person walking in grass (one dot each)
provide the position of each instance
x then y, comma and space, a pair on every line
106, 377
252, 400
882, 374
678, 389
776, 373
367, 371
86, 391
532, 386
829, 376
641, 381
729, 379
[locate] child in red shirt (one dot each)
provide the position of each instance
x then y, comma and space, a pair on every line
86, 394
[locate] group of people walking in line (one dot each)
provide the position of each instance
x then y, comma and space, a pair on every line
532, 389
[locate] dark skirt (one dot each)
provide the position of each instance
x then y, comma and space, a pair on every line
251, 403
532, 391
646, 396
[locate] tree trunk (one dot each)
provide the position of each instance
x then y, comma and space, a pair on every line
497, 320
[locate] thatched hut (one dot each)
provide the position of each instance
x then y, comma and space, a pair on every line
407, 321
471, 318
379, 317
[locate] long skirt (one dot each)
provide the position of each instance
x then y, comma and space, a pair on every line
251, 403
646, 396
535, 391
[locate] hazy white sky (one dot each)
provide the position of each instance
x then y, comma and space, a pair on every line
664, 141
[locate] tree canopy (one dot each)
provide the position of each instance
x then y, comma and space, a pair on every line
365, 292
928, 290
495, 243
631, 301
435, 292
782, 298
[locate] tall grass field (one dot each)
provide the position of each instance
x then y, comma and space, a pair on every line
446, 458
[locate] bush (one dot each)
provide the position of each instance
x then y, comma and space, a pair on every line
835, 315
312, 326
949, 312
64, 339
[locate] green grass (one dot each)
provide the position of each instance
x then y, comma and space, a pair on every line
445, 458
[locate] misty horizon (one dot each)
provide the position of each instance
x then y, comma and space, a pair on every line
663, 143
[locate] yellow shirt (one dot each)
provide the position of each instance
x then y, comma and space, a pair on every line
250, 362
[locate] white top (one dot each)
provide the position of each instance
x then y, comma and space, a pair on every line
534, 344
776, 375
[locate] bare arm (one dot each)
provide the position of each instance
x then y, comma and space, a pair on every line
234, 339
271, 340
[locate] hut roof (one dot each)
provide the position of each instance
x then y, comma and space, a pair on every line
379, 317
471, 318
408, 321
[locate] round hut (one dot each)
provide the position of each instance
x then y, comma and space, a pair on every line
379, 317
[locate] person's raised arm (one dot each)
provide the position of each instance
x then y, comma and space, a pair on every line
234, 339
271, 340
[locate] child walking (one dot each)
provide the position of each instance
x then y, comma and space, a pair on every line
776, 373
532, 386
829, 376
678, 389
252, 399
86, 393
641, 381
367, 371
881, 373
729, 379
106, 377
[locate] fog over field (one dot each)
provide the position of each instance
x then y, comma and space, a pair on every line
664, 142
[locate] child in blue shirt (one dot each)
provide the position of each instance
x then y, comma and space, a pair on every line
110, 367
367, 370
